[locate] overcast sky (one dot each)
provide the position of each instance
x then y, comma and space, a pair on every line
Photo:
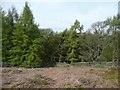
61, 14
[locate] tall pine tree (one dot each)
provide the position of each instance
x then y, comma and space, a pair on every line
26, 41
8, 22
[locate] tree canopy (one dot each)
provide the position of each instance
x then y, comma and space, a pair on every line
24, 44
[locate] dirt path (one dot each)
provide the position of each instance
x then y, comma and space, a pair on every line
63, 77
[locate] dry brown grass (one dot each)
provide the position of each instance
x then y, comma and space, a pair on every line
55, 77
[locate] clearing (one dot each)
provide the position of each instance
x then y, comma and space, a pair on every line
60, 77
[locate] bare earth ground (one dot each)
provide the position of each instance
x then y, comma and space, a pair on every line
56, 77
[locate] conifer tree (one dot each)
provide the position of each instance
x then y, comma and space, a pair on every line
8, 22
26, 41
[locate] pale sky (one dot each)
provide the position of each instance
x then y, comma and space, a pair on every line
61, 14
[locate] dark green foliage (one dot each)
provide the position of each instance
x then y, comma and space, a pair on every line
26, 45
7, 21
